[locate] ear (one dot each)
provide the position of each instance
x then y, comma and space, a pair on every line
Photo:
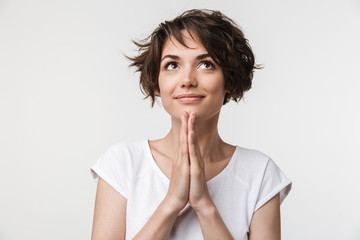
157, 93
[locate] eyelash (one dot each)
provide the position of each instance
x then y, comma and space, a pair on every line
206, 61
169, 63
212, 65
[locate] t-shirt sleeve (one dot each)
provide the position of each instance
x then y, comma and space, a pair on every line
273, 182
111, 167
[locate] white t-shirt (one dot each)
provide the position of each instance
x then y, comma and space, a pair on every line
249, 180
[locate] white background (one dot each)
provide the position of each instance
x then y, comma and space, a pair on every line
66, 95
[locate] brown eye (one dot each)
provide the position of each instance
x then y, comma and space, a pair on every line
207, 65
171, 66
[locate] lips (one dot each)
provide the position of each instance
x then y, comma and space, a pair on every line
189, 98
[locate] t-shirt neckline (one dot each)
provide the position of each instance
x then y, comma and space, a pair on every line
213, 179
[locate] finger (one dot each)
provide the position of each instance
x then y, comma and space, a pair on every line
183, 137
184, 121
184, 126
194, 151
196, 142
191, 122
191, 132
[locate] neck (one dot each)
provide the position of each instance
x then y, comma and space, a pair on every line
207, 134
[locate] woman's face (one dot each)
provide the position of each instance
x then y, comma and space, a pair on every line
189, 79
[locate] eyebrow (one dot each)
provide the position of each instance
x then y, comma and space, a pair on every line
175, 57
202, 56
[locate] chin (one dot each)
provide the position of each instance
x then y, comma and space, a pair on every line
201, 115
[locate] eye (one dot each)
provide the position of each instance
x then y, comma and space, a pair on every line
171, 66
207, 65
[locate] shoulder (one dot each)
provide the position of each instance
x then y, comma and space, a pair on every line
125, 156
261, 175
256, 169
249, 162
126, 147
122, 162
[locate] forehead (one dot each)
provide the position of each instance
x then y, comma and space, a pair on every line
191, 41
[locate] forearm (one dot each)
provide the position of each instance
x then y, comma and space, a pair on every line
212, 225
160, 223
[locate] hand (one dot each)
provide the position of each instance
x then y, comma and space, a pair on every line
178, 192
199, 196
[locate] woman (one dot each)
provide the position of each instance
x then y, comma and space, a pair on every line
190, 184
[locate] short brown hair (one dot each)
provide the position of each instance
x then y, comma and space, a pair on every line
220, 36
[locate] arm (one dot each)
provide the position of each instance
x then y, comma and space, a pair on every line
109, 214
212, 225
265, 223
161, 222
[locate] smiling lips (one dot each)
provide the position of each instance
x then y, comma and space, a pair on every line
189, 98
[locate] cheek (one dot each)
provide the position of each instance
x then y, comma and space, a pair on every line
217, 86
166, 90
164, 87
167, 82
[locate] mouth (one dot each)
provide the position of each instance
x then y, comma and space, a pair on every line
189, 98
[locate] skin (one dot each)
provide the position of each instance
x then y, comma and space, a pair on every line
189, 155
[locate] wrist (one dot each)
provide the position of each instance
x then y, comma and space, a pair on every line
205, 207
171, 206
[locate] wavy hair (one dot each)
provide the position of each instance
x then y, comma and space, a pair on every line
220, 36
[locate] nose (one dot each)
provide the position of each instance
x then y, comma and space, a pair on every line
188, 78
